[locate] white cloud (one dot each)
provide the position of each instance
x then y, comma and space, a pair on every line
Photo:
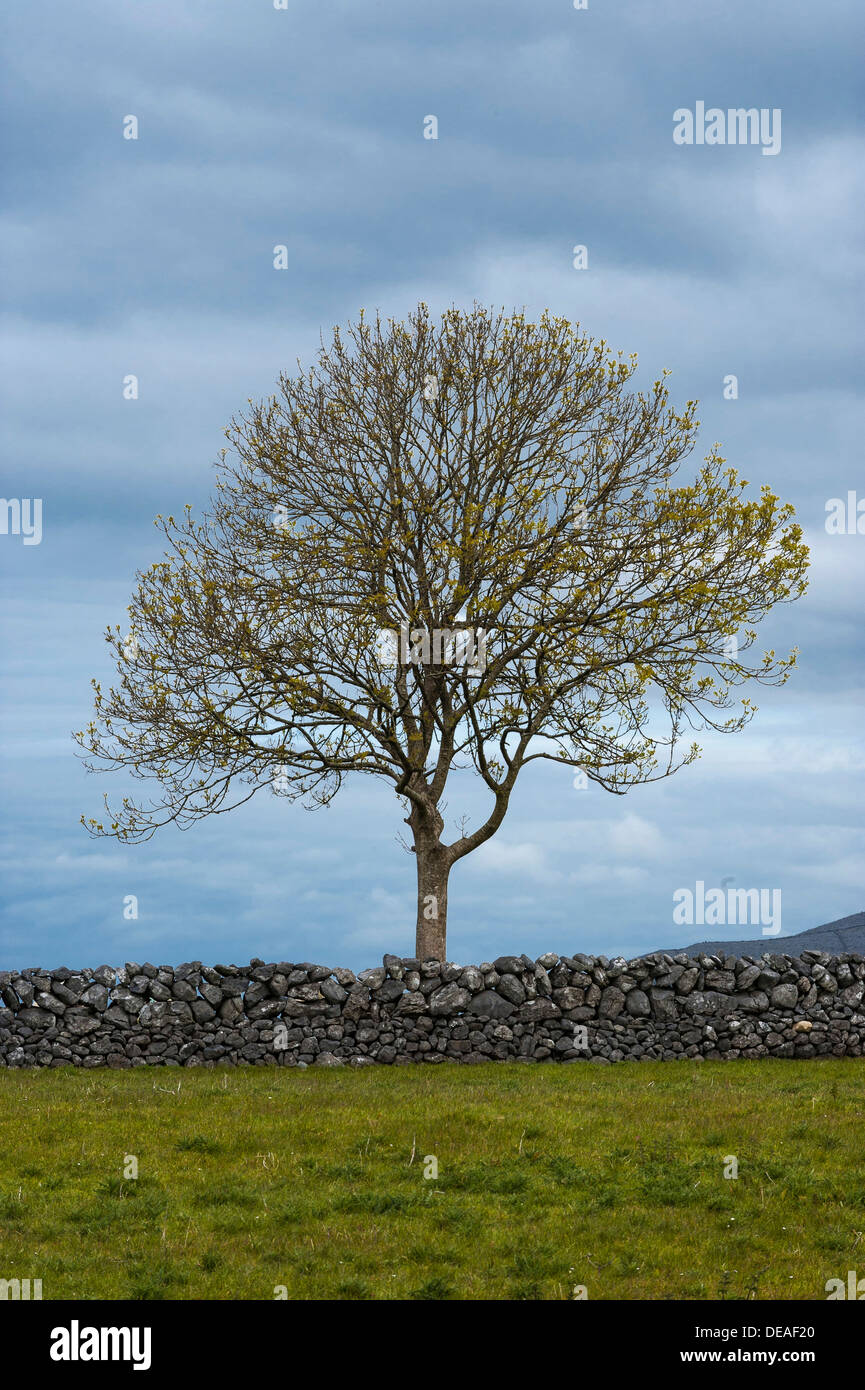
635, 837
499, 856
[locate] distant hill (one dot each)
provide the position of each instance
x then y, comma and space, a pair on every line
847, 934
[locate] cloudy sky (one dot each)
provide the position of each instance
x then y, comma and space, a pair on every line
304, 127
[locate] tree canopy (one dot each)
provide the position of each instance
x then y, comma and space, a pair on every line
481, 476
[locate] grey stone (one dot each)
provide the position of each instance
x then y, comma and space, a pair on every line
747, 977
37, 1018
47, 1001
756, 1002
79, 1027
390, 991
535, 1010
450, 999
637, 1004
318, 972
233, 986
373, 978
411, 1003
568, 998
508, 965
723, 980
611, 1003
267, 1008
784, 997
511, 988
663, 1004
490, 1004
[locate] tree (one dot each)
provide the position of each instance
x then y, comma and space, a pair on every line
489, 491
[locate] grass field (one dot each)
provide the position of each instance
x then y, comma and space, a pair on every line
548, 1177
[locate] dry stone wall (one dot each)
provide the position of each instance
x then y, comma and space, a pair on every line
556, 1008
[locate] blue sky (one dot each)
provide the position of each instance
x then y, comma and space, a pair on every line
304, 127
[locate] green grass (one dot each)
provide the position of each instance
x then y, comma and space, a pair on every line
548, 1177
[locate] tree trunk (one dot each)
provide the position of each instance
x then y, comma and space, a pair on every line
433, 867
